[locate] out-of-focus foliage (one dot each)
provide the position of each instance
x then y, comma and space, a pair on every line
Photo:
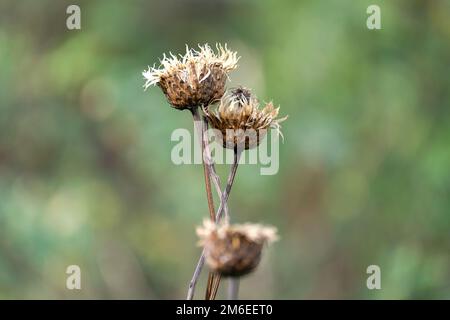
85, 170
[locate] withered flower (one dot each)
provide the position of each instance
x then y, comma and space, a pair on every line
239, 120
194, 79
234, 250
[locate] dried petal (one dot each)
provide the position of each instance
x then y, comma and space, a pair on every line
195, 79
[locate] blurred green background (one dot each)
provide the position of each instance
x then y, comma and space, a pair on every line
85, 170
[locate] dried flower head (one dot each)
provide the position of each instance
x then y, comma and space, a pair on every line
240, 121
234, 250
195, 79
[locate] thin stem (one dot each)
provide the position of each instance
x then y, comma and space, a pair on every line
213, 284
213, 281
209, 285
230, 181
198, 270
233, 288
210, 163
209, 167
198, 124
216, 180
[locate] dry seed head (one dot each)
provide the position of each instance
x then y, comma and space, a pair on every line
241, 122
234, 250
195, 79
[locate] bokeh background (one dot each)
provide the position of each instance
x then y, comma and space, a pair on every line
85, 170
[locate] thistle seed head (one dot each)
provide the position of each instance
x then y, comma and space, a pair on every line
240, 121
196, 78
234, 250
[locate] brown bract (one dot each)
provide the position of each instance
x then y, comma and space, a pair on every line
234, 250
195, 79
239, 120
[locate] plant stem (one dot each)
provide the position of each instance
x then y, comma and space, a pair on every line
209, 168
198, 270
210, 285
230, 181
233, 288
214, 281
210, 163
216, 180
198, 124
209, 171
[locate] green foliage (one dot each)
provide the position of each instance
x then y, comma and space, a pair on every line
85, 170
